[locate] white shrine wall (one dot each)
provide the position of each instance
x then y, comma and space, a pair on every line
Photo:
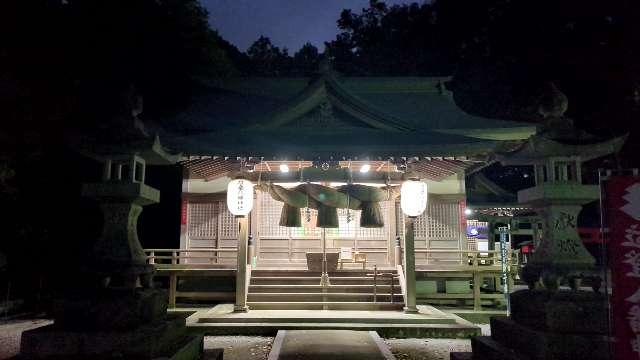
441, 227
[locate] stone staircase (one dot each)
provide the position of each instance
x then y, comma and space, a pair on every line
301, 290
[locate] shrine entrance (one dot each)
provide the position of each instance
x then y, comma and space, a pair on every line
208, 224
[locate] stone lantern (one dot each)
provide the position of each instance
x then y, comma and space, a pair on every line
119, 313
557, 154
545, 321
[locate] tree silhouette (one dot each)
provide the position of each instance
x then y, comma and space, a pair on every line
66, 63
267, 59
305, 60
396, 40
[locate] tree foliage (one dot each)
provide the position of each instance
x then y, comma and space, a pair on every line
67, 62
305, 60
502, 52
397, 40
266, 59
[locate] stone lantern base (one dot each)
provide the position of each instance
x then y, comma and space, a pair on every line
547, 325
113, 323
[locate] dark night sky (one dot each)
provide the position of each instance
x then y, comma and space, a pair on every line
289, 23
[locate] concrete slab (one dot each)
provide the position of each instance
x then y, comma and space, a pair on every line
329, 345
425, 315
428, 322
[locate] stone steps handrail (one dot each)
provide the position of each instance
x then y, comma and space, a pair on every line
403, 283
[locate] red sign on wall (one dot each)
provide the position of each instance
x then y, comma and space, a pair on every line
622, 205
462, 207
183, 213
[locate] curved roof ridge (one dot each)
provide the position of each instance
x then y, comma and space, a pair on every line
327, 87
361, 107
302, 103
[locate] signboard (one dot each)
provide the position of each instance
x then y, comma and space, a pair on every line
504, 259
622, 206
475, 230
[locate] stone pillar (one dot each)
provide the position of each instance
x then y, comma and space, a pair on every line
410, 265
241, 271
560, 251
118, 258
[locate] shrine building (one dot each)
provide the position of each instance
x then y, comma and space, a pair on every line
326, 158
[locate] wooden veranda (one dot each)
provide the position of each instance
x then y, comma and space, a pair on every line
474, 267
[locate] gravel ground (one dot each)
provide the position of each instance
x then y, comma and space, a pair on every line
431, 349
426, 349
240, 347
258, 347
11, 331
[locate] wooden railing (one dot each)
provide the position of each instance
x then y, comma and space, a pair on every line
466, 257
475, 265
174, 263
182, 256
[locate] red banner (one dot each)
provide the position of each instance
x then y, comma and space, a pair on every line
462, 208
622, 206
183, 212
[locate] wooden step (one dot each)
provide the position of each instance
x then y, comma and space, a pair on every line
355, 288
318, 297
346, 294
298, 273
293, 305
285, 273
334, 280
284, 280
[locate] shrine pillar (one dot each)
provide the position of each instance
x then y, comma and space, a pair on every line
410, 265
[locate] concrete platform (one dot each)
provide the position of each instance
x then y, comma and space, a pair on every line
329, 345
428, 322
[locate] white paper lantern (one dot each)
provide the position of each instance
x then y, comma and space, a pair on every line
240, 197
413, 197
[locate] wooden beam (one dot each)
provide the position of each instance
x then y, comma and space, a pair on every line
203, 197
331, 175
217, 175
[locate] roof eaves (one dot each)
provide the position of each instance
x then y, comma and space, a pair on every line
501, 134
